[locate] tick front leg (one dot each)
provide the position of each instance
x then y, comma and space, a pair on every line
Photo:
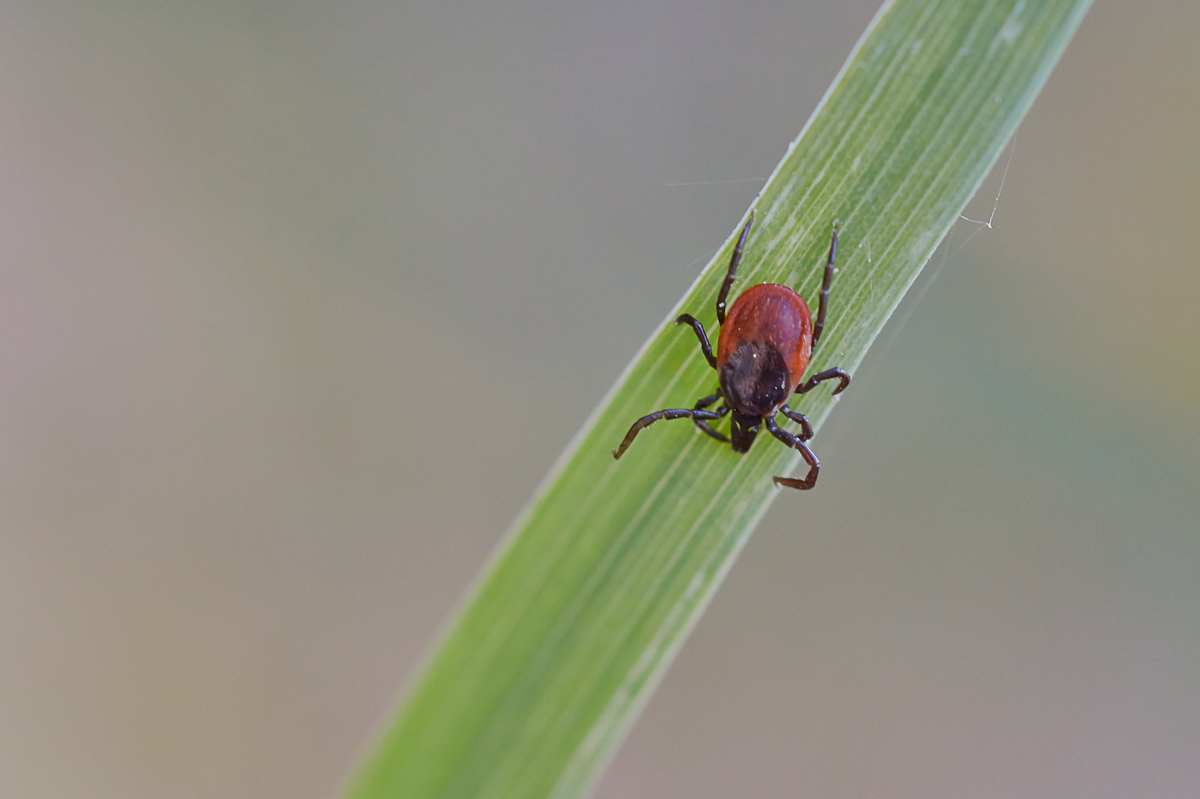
705, 347
821, 377
814, 465
669, 413
806, 431
703, 425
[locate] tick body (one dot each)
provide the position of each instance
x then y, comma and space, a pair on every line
764, 347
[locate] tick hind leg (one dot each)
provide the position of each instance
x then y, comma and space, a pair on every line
825, 284
669, 413
814, 465
688, 319
734, 260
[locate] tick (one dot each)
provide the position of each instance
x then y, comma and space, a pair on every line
762, 352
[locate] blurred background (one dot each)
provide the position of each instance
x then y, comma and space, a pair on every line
300, 301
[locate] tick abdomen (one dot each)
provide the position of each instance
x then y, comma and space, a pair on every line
769, 317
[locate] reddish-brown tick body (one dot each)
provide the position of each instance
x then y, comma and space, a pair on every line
765, 344
764, 348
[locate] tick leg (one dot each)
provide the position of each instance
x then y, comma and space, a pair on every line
806, 431
670, 413
820, 377
733, 265
825, 284
705, 347
814, 465
703, 425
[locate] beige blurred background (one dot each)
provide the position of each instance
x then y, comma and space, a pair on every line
299, 302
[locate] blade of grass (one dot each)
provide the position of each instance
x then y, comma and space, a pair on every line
567, 632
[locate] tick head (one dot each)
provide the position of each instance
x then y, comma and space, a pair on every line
742, 430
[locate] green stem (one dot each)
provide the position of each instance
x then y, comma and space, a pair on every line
566, 634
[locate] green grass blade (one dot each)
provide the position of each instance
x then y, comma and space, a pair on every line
568, 631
